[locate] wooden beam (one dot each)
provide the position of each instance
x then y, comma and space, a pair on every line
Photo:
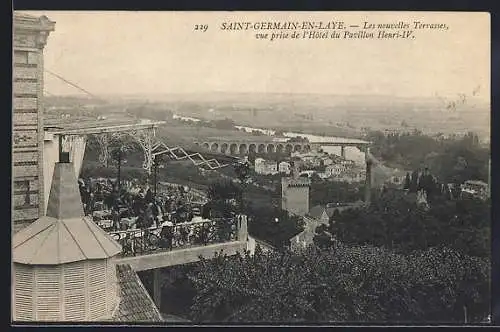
106, 129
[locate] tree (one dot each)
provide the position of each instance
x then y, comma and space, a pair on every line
447, 157
407, 181
413, 182
273, 225
223, 197
279, 133
395, 222
223, 190
341, 284
298, 139
324, 192
322, 238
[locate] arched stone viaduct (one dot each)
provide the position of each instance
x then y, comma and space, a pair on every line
239, 147
246, 147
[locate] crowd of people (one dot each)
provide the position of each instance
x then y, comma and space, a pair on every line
135, 205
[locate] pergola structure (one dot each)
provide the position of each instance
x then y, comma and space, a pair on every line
142, 132
72, 137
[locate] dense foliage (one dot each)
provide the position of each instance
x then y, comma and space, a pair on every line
394, 221
450, 159
273, 225
342, 284
265, 222
324, 192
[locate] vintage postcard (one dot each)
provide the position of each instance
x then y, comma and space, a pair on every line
251, 167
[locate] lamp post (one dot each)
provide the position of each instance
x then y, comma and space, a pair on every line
156, 164
117, 154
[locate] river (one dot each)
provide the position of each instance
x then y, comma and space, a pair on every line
381, 172
351, 153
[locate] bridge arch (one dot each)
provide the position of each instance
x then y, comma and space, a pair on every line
252, 148
197, 143
279, 148
224, 147
289, 148
214, 147
261, 148
297, 147
270, 148
233, 148
206, 145
243, 149
306, 148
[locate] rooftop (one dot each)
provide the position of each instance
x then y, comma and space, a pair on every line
136, 306
317, 210
91, 125
64, 235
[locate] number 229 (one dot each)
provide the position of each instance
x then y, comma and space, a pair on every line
201, 27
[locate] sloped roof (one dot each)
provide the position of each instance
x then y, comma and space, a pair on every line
317, 211
64, 235
135, 303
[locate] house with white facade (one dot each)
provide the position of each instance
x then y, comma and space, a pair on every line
351, 176
285, 167
335, 169
265, 167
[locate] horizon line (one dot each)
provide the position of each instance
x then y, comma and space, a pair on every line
437, 97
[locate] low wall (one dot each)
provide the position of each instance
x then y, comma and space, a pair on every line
181, 256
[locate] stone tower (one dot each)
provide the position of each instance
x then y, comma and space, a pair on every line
63, 264
295, 195
29, 38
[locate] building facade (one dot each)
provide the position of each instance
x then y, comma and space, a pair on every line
29, 39
335, 169
266, 167
285, 167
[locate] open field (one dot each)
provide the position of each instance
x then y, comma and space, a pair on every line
347, 116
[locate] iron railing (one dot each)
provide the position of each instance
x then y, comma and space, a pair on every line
151, 240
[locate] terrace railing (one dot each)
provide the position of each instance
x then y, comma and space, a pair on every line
136, 242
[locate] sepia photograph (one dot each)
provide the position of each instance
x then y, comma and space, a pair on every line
230, 167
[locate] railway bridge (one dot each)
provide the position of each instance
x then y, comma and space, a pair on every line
267, 145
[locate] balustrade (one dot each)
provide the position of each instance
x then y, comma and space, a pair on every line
169, 236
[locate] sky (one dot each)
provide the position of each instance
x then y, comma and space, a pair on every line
133, 53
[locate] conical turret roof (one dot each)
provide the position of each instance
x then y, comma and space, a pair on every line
64, 235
